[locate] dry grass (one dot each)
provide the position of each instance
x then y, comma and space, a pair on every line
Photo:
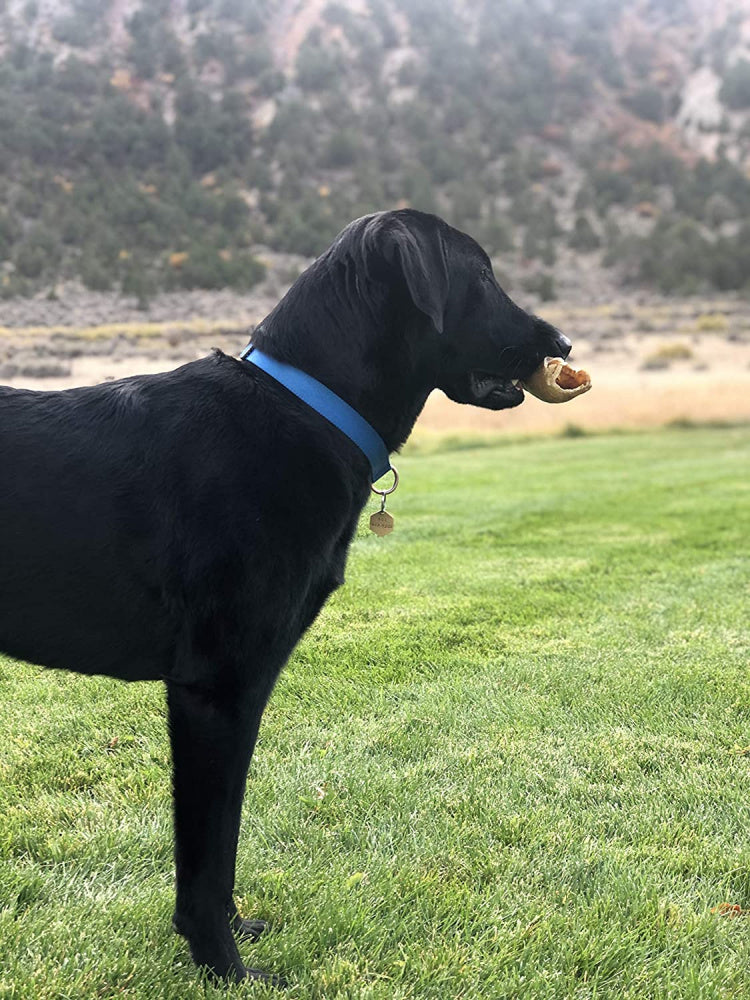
132, 331
648, 399
712, 322
674, 351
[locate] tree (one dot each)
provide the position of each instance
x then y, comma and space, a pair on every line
648, 103
735, 88
318, 67
584, 236
341, 150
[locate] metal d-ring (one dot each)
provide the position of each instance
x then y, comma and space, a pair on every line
385, 493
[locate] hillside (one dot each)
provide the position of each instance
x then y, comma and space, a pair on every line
172, 144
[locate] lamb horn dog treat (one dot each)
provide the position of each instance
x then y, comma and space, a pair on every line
556, 382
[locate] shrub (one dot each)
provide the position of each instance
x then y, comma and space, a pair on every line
543, 285
10, 231
496, 236
653, 363
584, 236
671, 352
318, 68
30, 260
270, 82
573, 431
78, 77
74, 29
206, 267
515, 175
341, 150
655, 164
95, 275
138, 281
610, 187
419, 191
712, 323
466, 205
676, 256
735, 88
39, 252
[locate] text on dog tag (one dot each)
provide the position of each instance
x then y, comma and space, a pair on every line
381, 523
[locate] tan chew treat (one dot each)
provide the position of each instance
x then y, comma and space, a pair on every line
571, 379
556, 382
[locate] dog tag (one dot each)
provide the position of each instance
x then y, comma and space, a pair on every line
381, 523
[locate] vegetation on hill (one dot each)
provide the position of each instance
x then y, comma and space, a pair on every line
159, 162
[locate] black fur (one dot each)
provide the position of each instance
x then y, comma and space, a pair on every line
165, 526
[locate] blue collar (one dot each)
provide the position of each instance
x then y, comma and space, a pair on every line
328, 405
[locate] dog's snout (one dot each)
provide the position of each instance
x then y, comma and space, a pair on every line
563, 346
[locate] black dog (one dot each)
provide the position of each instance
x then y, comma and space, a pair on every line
167, 527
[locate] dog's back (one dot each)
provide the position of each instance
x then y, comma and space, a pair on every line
122, 503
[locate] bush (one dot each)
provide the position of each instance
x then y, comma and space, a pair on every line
584, 236
13, 285
212, 135
735, 88
543, 285
138, 281
676, 256
653, 363
655, 164
670, 352
38, 253
78, 77
75, 30
270, 82
712, 323
318, 68
95, 276
341, 150
30, 260
206, 267
496, 236
610, 187
648, 103
10, 232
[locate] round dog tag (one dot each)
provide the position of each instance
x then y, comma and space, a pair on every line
381, 523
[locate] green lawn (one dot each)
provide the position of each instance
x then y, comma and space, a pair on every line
510, 760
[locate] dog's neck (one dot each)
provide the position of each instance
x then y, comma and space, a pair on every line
360, 352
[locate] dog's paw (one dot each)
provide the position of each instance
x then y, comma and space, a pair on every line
266, 977
247, 930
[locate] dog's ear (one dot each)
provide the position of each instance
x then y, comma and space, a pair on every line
419, 253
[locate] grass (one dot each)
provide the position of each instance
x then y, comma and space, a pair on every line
511, 759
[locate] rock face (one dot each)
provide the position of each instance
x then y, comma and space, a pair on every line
701, 113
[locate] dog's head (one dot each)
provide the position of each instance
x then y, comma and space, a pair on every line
480, 342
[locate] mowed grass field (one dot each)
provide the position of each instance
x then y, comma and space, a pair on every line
510, 760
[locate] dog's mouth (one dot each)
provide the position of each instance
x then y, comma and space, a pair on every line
484, 389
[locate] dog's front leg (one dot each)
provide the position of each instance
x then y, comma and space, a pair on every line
213, 735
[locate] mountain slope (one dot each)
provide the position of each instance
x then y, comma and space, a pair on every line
154, 144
